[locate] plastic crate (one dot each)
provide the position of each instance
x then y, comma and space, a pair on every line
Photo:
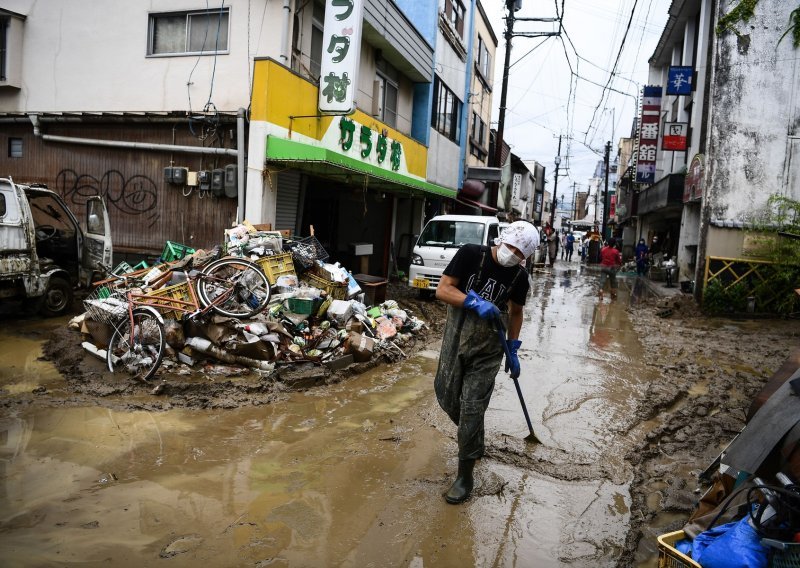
306, 251
668, 556
122, 268
277, 265
175, 251
175, 292
336, 290
787, 557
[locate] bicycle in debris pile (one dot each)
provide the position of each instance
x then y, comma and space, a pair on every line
232, 287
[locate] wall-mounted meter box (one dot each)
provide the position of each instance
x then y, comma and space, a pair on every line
218, 182
231, 181
204, 179
175, 175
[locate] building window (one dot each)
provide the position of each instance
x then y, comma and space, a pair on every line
446, 116
202, 32
317, 25
454, 12
4, 23
477, 137
15, 147
483, 60
389, 78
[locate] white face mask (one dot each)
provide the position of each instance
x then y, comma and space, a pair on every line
506, 256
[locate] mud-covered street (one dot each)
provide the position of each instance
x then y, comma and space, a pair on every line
631, 399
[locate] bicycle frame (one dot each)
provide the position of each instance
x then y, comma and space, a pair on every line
191, 308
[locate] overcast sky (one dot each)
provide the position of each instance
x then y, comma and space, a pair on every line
545, 99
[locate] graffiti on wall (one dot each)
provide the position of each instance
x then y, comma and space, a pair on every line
136, 195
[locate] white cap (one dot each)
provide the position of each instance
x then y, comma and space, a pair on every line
522, 235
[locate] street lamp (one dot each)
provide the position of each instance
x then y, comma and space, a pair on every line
557, 161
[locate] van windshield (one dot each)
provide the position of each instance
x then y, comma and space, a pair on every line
451, 234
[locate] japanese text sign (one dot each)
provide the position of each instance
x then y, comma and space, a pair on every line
347, 131
679, 80
341, 52
647, 143
675, 136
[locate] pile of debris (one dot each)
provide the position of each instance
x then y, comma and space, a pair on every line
316, 313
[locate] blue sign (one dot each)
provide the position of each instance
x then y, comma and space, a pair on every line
679, 80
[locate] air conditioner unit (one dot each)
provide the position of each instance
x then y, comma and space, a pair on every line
377, 98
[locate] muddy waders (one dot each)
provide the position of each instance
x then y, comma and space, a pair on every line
470, 359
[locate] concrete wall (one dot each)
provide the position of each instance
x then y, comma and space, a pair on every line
443, 161
71, 48
754, 115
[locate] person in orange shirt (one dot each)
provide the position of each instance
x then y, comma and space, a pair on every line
610, 262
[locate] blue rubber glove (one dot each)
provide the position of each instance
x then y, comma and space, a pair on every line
484, 308
512, 361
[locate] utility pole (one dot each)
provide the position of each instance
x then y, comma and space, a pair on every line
511, 6
555, 184
501, 119
574, 205
605, 192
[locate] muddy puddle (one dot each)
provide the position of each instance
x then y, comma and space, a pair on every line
349, 474
352, 473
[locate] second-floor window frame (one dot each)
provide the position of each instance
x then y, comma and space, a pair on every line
447, 108
454, 11
214, 37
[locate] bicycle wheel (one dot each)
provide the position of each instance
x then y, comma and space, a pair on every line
234, 287
138, 349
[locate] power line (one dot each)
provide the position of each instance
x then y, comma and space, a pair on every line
614, 68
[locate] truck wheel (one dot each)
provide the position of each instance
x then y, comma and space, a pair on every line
58, 298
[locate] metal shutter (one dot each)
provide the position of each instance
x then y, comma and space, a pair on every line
287, 201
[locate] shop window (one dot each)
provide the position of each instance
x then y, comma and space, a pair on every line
15, 147
446, 116
202, 32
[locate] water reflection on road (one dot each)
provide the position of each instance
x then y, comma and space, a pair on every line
348, 475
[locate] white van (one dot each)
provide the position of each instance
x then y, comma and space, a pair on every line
439, 241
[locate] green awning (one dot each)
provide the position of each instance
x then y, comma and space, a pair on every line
326, 163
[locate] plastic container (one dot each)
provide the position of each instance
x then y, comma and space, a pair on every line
277, 265
122, 268
175, 251
336, 290
787, 557
176, 292
668, 556
302, 306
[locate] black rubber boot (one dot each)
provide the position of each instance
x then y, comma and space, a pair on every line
462, 486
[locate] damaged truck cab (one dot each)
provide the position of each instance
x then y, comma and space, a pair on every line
44, 252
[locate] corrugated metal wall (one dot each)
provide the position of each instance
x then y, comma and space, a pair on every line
288, 200
145, 211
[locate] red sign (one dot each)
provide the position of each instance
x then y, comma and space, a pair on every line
693, 184
647, 143
675, 136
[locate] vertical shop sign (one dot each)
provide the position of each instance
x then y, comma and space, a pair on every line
341, 52
516, 186
647, 143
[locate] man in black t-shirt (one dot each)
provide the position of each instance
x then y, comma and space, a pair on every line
480, 283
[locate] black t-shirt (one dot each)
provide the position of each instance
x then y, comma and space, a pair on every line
495, 279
